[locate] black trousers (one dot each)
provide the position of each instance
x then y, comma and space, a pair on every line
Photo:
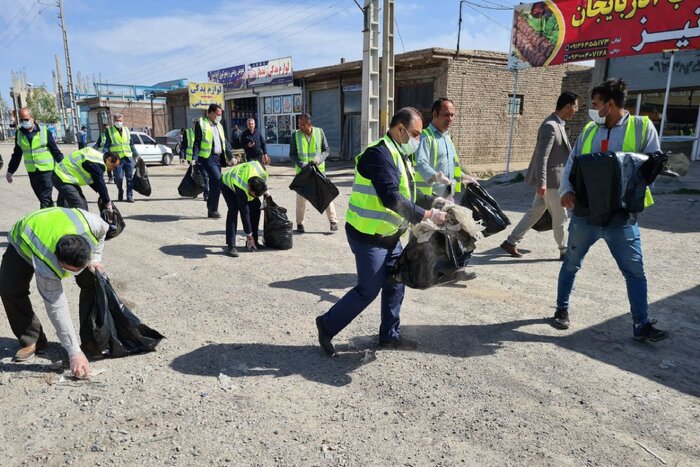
15, 276
232, 215
43, 189
69, 195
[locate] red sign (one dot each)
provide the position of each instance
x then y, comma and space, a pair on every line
554, 32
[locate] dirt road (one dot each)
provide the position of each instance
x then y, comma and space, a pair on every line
241, 380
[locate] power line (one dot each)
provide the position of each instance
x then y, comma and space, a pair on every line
8, 28
219, 35
196, 52
496, 22
12, 36
193, 62
396, 23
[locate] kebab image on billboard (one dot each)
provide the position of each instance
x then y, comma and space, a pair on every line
535, 34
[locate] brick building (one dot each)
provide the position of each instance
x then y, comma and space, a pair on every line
477, 81
139, 115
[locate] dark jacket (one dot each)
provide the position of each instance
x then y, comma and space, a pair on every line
50, 144
198, 142
256, 152
377, 165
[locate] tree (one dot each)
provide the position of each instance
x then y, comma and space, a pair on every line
43, 105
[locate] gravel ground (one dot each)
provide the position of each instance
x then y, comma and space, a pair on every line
240, 379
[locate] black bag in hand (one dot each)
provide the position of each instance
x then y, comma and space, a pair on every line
117, 332
141, 183
434, 262
485, 209
113, 218
544, 223
277, 232
313, 186
192, 184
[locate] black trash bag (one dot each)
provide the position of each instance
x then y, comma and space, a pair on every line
116, 330
141, 183
313, 186
485, 209
114, 219
436, 261
192, 184
544, 223
277, 227
2, 162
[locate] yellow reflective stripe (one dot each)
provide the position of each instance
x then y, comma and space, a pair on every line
120, 142
42, 252
385, 216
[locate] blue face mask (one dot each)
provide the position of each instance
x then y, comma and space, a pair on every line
27, 125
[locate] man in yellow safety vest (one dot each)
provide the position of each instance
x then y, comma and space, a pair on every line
37, 146
118, 140
85, 167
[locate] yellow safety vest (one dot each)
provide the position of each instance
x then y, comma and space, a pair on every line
120, 142
189, 149
308, 149
207, 143
366, 213
70, 169
239, 175
37, 157
426, 187
37, 235
635, 135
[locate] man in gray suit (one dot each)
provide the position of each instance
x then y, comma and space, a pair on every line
544, 173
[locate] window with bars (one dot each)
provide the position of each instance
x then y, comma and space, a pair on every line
515, 104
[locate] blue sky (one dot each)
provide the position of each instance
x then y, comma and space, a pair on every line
144, 42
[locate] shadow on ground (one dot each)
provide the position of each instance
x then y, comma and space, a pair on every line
253, 360
192, 251
319, 285
155, 217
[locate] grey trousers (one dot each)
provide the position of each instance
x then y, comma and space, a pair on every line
550, 201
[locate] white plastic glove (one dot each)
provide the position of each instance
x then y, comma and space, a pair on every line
442, 179
250, 243
438, 217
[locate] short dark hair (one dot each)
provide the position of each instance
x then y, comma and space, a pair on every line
110, 156
73, 250
437, 105
83, 127
305, 117
405, 116
566, 98
213, 108
614, 88
257, 186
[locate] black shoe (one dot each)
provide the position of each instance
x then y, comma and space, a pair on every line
232, 252
323, 338
206, 197
121, 196
259, 245
399, 344
562, 256
130, 200
649, 333
300, 228
561, 319
214, 214
334, 226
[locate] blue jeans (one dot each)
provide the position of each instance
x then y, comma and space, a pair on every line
624, 244
372, 264
211, 171
125, 167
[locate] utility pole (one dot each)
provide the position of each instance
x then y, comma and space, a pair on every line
370, 74
387, 67
69, 75
61, 100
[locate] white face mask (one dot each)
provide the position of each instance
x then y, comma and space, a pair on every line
595, 116
118, 124
75, 273
217, 119
27, 125
412, 145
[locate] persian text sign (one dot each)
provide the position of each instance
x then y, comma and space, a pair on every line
562, 31
203, 94
277, 71
232, 78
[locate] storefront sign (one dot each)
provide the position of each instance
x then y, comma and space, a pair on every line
554, 32
650, 72
277, 71
204, 94
233, 78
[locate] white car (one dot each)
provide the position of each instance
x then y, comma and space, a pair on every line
150, 151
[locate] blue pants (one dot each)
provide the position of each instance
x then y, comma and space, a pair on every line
232, 215
372, 264
211, 171
125, 167
624, 244
43, 187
